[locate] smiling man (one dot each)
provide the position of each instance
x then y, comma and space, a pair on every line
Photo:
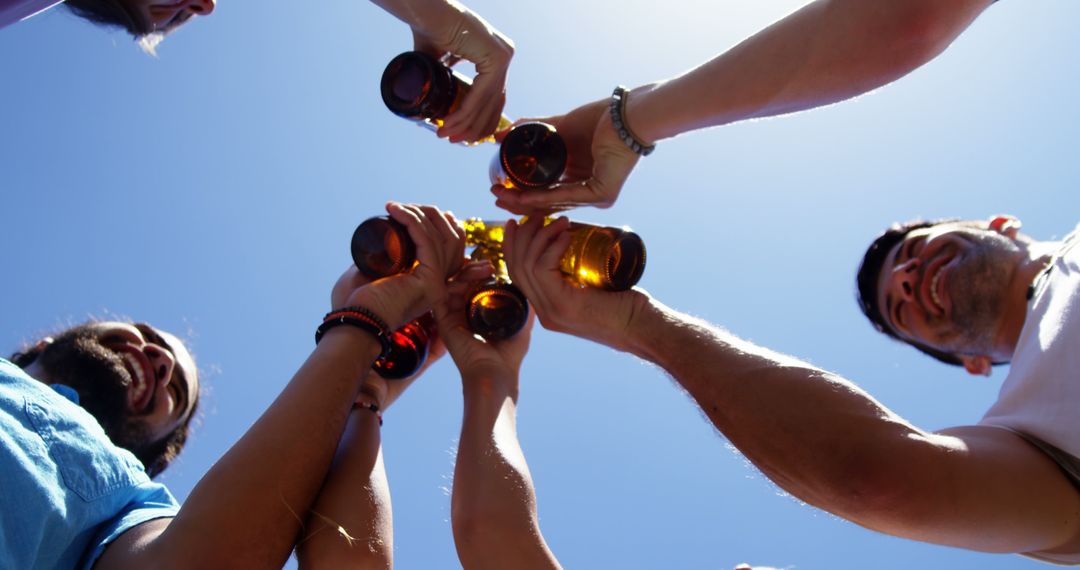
139, 383
969, 293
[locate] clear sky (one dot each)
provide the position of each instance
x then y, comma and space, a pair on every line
212, 192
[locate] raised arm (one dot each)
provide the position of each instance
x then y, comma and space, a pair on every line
828, 51
493, 506
815, 434
246, 512
448, 27
350, 524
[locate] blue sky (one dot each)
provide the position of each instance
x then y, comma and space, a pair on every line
212, 192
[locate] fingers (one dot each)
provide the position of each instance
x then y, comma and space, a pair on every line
439, 238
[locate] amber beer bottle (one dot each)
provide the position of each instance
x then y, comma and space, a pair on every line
599, 256
409, 347
497, 308
417, 86
532, 155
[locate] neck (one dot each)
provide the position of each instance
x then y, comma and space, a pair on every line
1036, 257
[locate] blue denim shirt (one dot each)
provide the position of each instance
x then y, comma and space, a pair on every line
65, 490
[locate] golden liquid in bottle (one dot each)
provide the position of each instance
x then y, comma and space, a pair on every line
417, 86
532, 155
604, 257
497, 308
598, 256
409, 347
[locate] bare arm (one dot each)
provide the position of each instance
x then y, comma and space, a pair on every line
493, 506
247, 510
815, 434
828, 51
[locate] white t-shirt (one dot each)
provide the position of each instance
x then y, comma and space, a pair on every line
12, 11
1041, 395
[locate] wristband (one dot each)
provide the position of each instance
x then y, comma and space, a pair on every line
370, 406
360, 318
618, 119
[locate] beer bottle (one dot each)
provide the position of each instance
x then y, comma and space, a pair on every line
497, 308
409, 348
381, 247
532, 155
598, 256
417, 86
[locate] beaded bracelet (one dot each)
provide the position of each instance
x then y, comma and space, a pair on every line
360, 318
370, 406
618, 119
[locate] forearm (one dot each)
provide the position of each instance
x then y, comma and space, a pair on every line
246, 511
828, 51
351, 525
494, 502
436, 18
815, 434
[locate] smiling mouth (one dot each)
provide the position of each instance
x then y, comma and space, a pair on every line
139, 393
935, 296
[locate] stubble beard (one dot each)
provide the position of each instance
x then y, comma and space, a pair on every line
978, 287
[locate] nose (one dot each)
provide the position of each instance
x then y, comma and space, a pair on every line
903, 279
202, 7
163, 362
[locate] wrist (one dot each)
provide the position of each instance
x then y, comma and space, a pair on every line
486, 386
642, 116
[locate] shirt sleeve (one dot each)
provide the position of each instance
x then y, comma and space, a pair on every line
150, 501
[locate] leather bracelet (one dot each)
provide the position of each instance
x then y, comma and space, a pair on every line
618, 119
360, 318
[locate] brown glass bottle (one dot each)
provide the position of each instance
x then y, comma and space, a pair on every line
532, 155
417, 86
381, 247
497, 308
409, 347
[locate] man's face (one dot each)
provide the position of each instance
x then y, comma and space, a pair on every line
946, 286
167, 15
140, 383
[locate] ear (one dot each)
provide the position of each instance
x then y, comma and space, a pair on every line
977, 365
1005, 225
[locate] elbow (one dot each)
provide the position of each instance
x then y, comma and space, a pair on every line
880, 489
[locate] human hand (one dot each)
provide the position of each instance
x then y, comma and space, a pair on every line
440, 249
465, 35
477, 359
533, 252
598, 164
